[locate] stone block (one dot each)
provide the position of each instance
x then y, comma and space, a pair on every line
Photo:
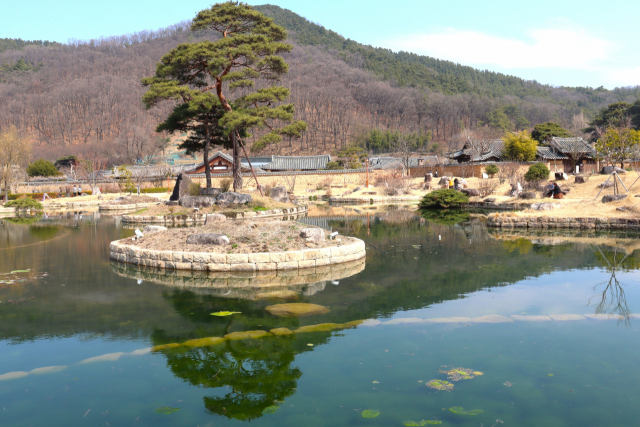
289, 265
266, 266
201, 257
182, 265
294, 256
325, 252
323, 261
309, 263
218, 267
199, 266
166, 256
336, 252
259, 257
278, 257
311, 254
186, 256
237, 258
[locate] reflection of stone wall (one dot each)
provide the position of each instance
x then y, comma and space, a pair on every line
198, 218
125, 208
246, 285
550, 222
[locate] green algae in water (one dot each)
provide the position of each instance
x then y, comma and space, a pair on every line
440, 385
225, 313
461, 411
421, 423
457, 374
370, 413
270, 409
165, 410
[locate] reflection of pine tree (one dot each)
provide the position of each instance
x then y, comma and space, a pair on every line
612, 299
256, 374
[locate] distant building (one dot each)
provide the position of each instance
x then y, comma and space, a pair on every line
218, 163
470, 152
570, 151
396, 162
297, 163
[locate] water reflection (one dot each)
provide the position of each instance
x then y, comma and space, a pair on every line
611, 298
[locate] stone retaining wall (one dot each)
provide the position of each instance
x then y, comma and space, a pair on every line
551, 222
198, 218
268, 261
378, 200
121, 208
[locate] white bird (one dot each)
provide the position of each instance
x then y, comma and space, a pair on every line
335, 282
139, 281
196, 209
139, 233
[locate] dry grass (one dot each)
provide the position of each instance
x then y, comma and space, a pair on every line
244, 237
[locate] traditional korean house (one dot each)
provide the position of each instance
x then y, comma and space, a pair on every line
479, 152
219, 163
396, 162
574, 152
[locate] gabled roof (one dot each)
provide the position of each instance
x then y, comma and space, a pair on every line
548, 153
281, 163
571, 146
227, 157
492, 149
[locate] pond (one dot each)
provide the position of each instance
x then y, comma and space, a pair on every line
544, 323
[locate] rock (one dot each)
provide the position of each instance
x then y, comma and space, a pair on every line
561, 176
426, 185
357, 189
580, 180
607, 170
210, 192
182, 187
490, 199
234, 198
606, 184
626, 209
281, 331
208, 239
313, 234
528, 195
444, 181
211, 218
347, 193
153, 229
471, 192
545, 206
566, 190
613, 198
279, 194
311, 190
428, 177
463, 181
197, 201
172, 203
296, 309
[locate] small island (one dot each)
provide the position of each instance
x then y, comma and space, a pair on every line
223, 245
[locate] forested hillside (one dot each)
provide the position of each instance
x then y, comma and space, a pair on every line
86, 95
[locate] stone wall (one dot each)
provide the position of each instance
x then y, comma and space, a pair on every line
552, 222
198, 218
352, 250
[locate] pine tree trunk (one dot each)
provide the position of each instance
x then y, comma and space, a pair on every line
237, 176
207, 167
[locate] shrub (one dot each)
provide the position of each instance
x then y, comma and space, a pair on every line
42, 167
194, 189
154, 190
491, 170
333, 166
24, 203
225, 185
444, 198
537, 172
520, 147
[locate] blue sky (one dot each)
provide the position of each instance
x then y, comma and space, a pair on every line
571, 43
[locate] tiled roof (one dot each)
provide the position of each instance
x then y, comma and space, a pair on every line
571, 145
394, 162
292, 163
227, 157
493, 148
548, 153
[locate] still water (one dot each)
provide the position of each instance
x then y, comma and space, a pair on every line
75, 332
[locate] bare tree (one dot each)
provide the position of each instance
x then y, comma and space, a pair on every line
15, 151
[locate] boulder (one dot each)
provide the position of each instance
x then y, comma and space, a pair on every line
444, 181
626, 209
211, 218
490, 200
580, 179
214, 192
428, 177
463, 181
606, 184
313, 234
545, 206
208, 239
471, 192
197, 201
153, 229
182, 187
357, 189
279, 194
561, 176
607, 170
234, 198
347, 193
528, 195
613, 198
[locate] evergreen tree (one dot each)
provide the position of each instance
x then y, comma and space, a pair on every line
543, 132
248, 49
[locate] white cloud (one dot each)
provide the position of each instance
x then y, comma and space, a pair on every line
547, 48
